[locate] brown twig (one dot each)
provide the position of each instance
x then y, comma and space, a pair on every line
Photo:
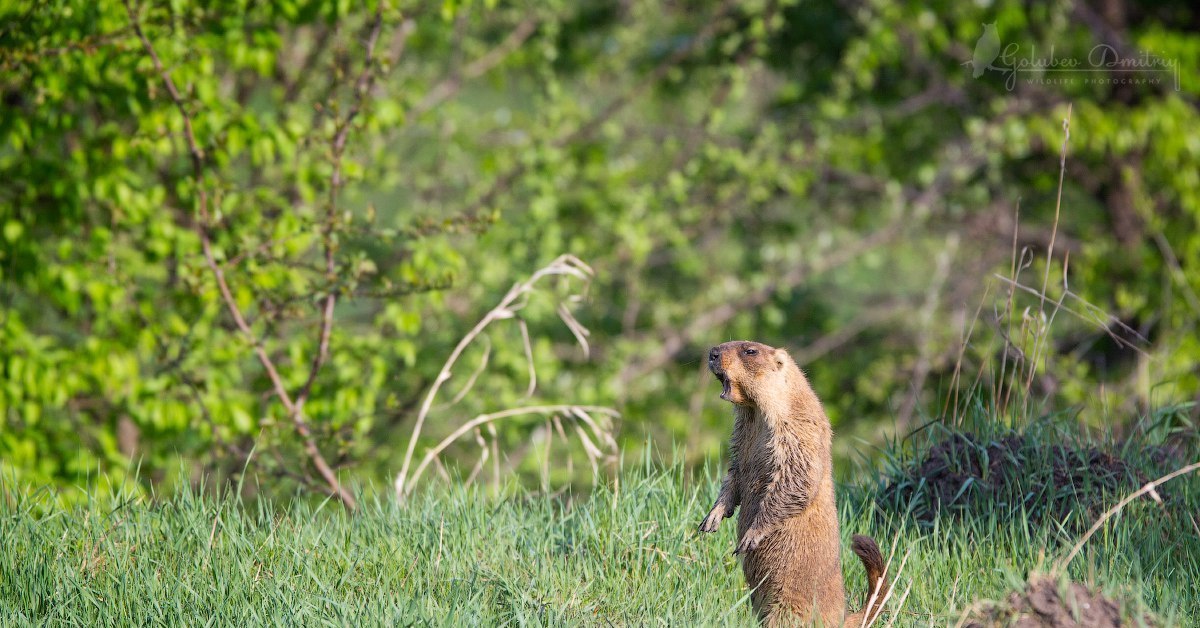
295, 412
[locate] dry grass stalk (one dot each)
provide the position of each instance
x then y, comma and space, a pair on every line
508, 308
1147, 488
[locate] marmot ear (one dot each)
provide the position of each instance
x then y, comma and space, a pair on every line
781, 358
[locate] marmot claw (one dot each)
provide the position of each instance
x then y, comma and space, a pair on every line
750, 541
713, 520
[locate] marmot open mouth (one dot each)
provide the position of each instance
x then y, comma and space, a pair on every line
725, 385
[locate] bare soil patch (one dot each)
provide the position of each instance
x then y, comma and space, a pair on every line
1043, 603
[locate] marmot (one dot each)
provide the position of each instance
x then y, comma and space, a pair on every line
781, 474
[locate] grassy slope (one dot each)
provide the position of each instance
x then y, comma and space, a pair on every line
455, 556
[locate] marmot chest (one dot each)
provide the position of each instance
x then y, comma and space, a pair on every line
757, 462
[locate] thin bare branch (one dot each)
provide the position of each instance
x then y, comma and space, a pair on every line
604, 435
956, 377
1008, 305
900, 605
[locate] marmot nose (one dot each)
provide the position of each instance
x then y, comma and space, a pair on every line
714, 354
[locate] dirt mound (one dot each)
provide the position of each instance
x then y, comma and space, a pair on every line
1010, 474
1044, 603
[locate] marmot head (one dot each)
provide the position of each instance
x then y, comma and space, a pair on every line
746, 369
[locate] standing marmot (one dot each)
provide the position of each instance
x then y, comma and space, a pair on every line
781, 474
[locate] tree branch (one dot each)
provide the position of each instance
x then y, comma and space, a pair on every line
295, 412
362, 86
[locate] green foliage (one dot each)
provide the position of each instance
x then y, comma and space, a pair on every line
829, 179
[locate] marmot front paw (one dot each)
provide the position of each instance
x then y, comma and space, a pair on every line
750, 540
713, 520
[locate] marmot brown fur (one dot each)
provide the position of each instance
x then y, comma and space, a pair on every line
781, 475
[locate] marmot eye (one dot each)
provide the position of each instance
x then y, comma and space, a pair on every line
751, 351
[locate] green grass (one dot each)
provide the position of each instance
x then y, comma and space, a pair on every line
454, 556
